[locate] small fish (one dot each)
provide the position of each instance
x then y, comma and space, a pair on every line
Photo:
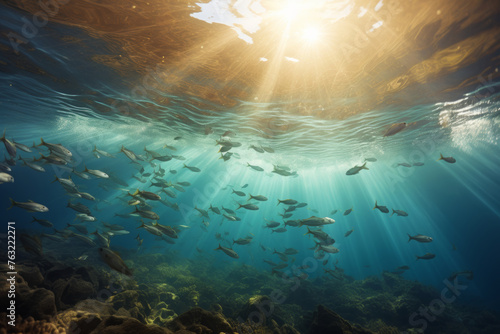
79, 207
348, 233
147, 214
58, 148
169, 147
418, 164
85, 218
371, 159
185, 184
4, 167
356, 169
316, 221
103, 153
29, 206
6, 178
286, 215
214, 209
404, 164
22, 147
43, 222
348, 211
246, 185
333, 212
272, 224
32, 244
204, 213
328, 249
395, 128
173, 171
279, 230
146, 195
450, 160
178, 138
287, 202
420, 238
258, 198
81, 174
301, 205
239, 193
403, 268
231, 218
82, 228
151, 229
228, 210
382, 208
114, 261
32, 165
293, 223
228, 251
193, 169
268, 149
291, 208
291, 251
426, 256
248, 206
467, 273
257, 149
242, 241
399, 213
96, 172
131, 155
257, 168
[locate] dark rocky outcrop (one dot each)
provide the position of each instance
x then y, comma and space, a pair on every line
327, 321
200, 321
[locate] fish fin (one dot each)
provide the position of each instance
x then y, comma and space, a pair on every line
3, 136
278, 203
440, 157
184, 166
12, 203
95, 148
392, 212
409, 236
42, 142
364, 166
417, 257
218, 247
375, 205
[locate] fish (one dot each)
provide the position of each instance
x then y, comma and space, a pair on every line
82, 228
4, 167
301, 205
291, 251
178, 157
268, 149
316, 221
418, 164
224, 149
52, 159
381, 208
167, 230
169, 193
151, 229
147, 214
225, 157
228, 210
86, 196
321, 235
96, 172
57, 148
184, 184
279, 230
348, 211
178, 138
271, 263
32, 244
287, 201
293, 223
467, 273
153, 154
139, 240
79, 207
178, 188
371, 159
146, 195
242, 241
229, 133
286, 215
333, 212
257, 149
29, 206
103, 153
356, 169
214, 209
231, 218
43, 222
83, 238
193, 169
10, 162
169, 147
129, 154
399, 213
328, 249
404, 164
239, 193
348, 233
257, 168
32, 165
22, 147
244, 186
163, 158
426, 256
6, 178
420, 238
291, 208
81, 174
283, 172
204, 213
272, 224
403, 268
248, 206
173, 171
450, 160
85, 217
114, 261
114, 227
281, 255
395, 128
228, 251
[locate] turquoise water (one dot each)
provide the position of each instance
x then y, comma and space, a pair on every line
55, 90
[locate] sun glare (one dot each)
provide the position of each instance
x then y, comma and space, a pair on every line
311, 34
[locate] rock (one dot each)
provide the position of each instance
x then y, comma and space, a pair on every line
31, 274
161, 315
123, 325
327, 321
38, 303
77, 289
195, 317
127, 299
260, 310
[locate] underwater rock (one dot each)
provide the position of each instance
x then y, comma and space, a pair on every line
77, 289
161, 315
31, 274
327, 321
112, 325
198, 320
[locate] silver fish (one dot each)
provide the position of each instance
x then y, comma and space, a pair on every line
29, 206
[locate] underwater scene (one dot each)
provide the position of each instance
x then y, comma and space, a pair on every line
250, 166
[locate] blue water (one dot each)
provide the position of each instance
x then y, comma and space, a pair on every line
458, 205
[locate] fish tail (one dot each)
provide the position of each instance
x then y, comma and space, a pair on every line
136, 192
95, 148
86, 170
417, 257
308, 230
364, 166
375, 205
440, 157
12, 203
278, 203
3, 136
393, 212
42, 142
34, 219
239, 206
218, 247
184, 166
409, 236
